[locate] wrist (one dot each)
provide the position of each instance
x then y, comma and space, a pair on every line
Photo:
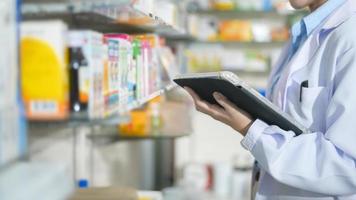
245, 129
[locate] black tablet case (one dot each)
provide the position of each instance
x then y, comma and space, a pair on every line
205, 87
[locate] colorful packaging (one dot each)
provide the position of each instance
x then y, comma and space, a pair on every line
146, 53
105, 82
223, 4
132, 76
140, 124
137, 63
87, 59
112, 99
44, 71
235, 30
150, 46
155, 71
126, 76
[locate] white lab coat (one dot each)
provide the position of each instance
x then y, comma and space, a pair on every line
321, 164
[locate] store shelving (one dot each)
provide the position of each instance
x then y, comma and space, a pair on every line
247, 13
242, 44
111, 134
108, 138
79, 119
41, 134
140, 102
104, 16
252, 44
23, 177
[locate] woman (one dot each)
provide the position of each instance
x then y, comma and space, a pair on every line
314, 82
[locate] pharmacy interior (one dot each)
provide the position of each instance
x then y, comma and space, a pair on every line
89, 109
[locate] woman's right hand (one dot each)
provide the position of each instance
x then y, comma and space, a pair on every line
228, 113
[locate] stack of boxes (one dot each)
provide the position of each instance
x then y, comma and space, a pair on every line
82, 71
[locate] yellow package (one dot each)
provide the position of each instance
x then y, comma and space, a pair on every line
140, 124
223, 4
44, 73
235, 30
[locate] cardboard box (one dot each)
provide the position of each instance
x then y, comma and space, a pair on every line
105, 193
44, 72
88, 56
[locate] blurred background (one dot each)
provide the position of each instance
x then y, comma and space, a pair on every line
88, 109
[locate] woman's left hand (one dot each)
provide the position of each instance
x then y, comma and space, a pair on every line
228, 113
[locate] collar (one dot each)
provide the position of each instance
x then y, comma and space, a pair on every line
309, 23
314, 19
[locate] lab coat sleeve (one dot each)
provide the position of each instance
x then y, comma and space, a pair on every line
318, 162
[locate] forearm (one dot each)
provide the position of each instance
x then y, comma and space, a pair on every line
309, 162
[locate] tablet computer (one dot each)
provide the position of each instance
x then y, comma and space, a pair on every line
242, 95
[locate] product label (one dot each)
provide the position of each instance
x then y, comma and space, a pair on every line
43, 107
113, 76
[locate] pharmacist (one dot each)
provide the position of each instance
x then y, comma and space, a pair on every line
320, 165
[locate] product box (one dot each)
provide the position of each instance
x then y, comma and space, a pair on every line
126, 75
112, 97
87, 55
146, 55
44, 72
151, 45
137, 63
236, 30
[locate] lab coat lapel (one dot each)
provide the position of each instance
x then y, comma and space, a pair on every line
279, 64
299, 61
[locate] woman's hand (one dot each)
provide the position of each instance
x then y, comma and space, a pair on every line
228, 113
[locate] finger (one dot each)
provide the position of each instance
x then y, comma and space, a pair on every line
230, 107
192, 93
218, 109
224, 102
201, 106
219, 113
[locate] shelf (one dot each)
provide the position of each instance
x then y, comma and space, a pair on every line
241, 72
78, 119
144, 100
108, 16
275, 44
110, 134
248, 13
105, 139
